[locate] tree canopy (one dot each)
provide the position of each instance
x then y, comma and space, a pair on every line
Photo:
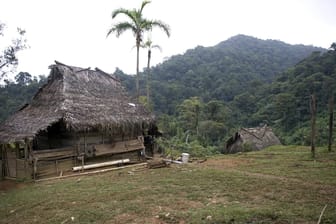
8, 55
138, 24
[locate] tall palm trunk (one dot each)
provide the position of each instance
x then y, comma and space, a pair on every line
137, 71
148, 76
138, 25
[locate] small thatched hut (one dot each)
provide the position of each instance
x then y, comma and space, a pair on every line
80, 116
250, 139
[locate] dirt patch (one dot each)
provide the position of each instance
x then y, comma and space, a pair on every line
6, 185
225, 163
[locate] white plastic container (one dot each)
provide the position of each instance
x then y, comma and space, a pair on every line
185, 157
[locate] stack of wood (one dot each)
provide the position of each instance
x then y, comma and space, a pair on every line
153, 164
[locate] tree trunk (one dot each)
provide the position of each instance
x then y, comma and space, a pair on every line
148, 77
137, 72
331, 122
313, 123
197, 110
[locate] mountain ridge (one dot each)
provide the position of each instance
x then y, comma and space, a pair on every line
219, 72
222, 71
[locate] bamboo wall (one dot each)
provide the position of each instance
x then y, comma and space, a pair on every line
50, 168
81, 148
56, 151
23, 169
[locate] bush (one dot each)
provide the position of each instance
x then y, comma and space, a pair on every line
173, 148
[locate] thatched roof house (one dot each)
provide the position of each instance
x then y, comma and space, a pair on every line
77, 108
248, 139
83, 99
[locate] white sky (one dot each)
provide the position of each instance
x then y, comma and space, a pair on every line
74, 31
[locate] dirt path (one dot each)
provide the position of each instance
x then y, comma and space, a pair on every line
6, 185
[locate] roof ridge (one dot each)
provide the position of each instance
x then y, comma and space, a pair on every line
107, 74
59, 63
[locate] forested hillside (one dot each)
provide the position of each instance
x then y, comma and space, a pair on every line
204, 95
14, 95
286, 102
221, 72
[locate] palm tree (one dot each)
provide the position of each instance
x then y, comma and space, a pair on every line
149, 46
138, 25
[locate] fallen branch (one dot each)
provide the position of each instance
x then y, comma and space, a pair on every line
320, 218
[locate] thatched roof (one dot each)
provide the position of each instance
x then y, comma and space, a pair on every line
247, 139
83, 99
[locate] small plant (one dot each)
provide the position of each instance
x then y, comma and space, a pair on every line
247, 147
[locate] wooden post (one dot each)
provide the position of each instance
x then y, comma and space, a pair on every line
25, 157
35, 168
313, 123
1, 161
5, 160
83, 162
30, 156
85, 146
17, 152
331, 122
30, 148
78, 147
56, 165
26, 149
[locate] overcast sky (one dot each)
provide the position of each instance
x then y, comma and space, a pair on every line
74, 31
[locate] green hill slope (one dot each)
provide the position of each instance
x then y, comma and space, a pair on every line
286, 101
207, 93
221, 72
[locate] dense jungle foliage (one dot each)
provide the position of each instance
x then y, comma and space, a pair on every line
14, 95
204, 95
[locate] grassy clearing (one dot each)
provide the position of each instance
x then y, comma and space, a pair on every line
277, 185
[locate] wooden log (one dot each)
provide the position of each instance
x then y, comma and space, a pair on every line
97, 165
156, 164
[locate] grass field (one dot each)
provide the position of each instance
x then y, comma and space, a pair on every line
277, 185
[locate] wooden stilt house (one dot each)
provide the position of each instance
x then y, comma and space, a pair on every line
81, 116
